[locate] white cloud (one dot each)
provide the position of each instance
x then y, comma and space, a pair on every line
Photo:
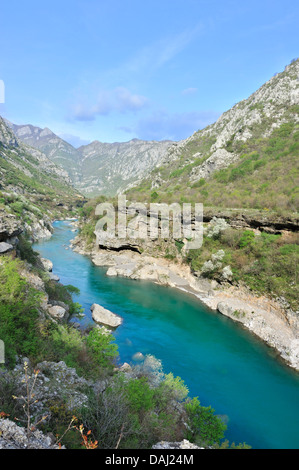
119, 99
164, 126
189, 91
160, 52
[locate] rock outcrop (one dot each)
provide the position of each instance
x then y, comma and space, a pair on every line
277, 328
9, 226
47, 264
185, 444
55, 380
105, 317
58, 312
5, 248
13, 436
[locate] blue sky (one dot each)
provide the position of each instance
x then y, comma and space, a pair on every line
121, 69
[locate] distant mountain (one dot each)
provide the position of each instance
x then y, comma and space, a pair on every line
26, 170
57, 150
112, 168
247, 158
223, 164
96, 168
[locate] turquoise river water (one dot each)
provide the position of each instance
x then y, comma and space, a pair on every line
220, 362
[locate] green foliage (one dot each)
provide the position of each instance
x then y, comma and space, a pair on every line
179, 244
58, 422
258, 106
86, 211
199, 183
25, 334
87, 232
17, 207
154, 195
175, 387
205, 427
8, 404
267, 263
25, 250
62, 342
63, 293
140, 395
264, 176
246, 238
102, 348
19, 305
133, 409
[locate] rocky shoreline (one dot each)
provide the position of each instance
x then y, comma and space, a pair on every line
268, 319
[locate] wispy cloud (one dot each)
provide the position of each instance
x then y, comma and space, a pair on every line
133, 72
162, 125
119, 99
155, 55
189, 91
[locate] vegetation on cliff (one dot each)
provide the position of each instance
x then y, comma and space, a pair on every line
264, 177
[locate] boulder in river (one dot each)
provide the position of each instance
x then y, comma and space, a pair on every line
104, 316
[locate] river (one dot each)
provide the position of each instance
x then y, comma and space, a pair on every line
220, 362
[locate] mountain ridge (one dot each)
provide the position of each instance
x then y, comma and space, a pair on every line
97, 167
255, 143
111, 168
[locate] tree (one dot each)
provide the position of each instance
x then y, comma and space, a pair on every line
204, 427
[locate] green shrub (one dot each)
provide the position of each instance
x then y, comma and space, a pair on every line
17, 207
246, 239
174, 387
25, 250
19, 314
140, 395
205, 428
154, 195
102, 348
